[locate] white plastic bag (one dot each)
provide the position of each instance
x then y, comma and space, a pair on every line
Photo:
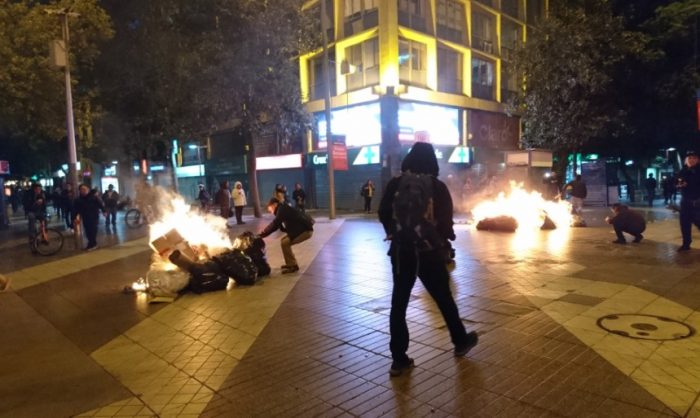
166, 282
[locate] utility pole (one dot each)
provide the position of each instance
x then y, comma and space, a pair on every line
327, 105
64, 14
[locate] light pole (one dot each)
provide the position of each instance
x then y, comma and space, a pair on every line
64, 14
327, 105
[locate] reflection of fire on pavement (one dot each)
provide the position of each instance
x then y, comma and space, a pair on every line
521, 210
193, 251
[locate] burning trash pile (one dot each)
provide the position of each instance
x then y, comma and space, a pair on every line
193, 252
520, 209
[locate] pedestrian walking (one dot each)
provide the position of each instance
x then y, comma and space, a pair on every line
689, 186
110, 198
67, 201
367, 192
299, 197
667, 187
239, 201
88, 206
650, 186
203, 198
223, 200
34, 208
578, 191
416, 213
626, 220
296, 224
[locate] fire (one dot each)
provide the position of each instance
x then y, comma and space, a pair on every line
529, 209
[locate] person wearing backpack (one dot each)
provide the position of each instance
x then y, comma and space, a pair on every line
297, 225
416, 213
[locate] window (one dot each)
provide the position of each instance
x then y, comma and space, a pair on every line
316, 11
511, 37
482, 78
412, 62
414, 14
316, 84
509, 82
360, 15
490, 3
449, 70
512, 8
483, 31
450, 20
535, 11
363, 60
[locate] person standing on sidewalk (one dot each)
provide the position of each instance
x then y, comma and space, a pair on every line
297, 226
88, 206
299, 197
223, 200
67, 201
367, 193
689, 185
239, 201
203, 198
110, 198
412, 257
650, 185
577, 188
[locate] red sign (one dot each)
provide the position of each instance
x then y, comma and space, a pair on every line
340, 157
4, 167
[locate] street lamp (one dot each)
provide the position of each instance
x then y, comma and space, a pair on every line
199, 157
327, 106
70, 126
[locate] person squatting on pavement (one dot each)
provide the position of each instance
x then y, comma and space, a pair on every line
423, 256
295, 224
88, 205
626, 220
110, 198
689, 185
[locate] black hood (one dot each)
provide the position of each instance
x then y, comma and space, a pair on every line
421, 160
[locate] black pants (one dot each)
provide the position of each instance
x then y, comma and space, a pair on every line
111, 217
619, 231
689, 216
368, 204
239, 214
90, 225
432, 271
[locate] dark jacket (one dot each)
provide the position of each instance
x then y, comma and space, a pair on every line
35, 203
299, 196
628, 220
67, 199
88, 207
691, 176
578, 188
421, 160
367, 190
288, 220
110, 199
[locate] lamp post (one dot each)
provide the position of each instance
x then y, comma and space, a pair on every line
64, 14
327, 106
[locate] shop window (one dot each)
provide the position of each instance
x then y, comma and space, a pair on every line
360, 15
414, 14
484, 31
449, 70
362, 64
450, 20
412, 62
482, 78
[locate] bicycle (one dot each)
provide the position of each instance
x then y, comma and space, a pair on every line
48, 241
134, 218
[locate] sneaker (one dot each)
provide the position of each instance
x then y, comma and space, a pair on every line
290, 269
472, 340
683, 248
619, 241
638, 238
93, 248
398, 368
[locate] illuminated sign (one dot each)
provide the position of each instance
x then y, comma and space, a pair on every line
105, 182
278, 161
110, 170
459, 155
4, 167
190, 171
157, 167
367, 155
319, 159
361, 125
438, 125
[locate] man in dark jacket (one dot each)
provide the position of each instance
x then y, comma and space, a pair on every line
626, 220
291, 221
408, 260
650, 185
689, 185
88, 206
35, 208
578, 191
110, 198
67, 201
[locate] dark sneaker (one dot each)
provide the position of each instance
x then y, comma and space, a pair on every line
398, 368
290, 269
683, 248
472, 340
638, 238
619, 241
93, 248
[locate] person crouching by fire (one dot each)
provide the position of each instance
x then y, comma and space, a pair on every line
626, 220
295, 224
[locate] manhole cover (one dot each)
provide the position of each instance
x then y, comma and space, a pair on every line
645, 327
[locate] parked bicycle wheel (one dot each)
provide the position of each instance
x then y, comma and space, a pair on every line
133, 218
48, 244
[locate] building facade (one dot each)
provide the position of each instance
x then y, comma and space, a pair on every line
408, 70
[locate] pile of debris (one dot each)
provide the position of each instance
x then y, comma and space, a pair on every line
179, 267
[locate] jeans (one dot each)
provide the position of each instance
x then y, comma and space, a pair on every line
239, 214
576, 205
368, 204
111, 215
31, 225
286, 243
90, 225
431, 269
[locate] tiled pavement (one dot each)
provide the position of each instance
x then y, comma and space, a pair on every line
316, 343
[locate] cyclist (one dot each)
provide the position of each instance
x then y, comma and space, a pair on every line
35, 208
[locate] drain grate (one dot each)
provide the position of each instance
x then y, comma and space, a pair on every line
645, 327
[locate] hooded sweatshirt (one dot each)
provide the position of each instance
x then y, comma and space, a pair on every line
238, 195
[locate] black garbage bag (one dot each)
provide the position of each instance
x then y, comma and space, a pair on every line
207, 277
254, 247
237, 265
498, 223
548, 224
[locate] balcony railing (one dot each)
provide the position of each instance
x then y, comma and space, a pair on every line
485, 45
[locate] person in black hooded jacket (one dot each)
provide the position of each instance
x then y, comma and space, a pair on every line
291, 221
408, 262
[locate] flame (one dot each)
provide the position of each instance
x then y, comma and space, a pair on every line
528, 208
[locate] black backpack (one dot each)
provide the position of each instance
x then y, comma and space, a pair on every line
237, 265
413, 213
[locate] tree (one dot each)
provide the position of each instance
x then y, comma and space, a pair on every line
568, 64
32, 95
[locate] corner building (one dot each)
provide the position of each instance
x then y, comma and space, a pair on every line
407, 70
